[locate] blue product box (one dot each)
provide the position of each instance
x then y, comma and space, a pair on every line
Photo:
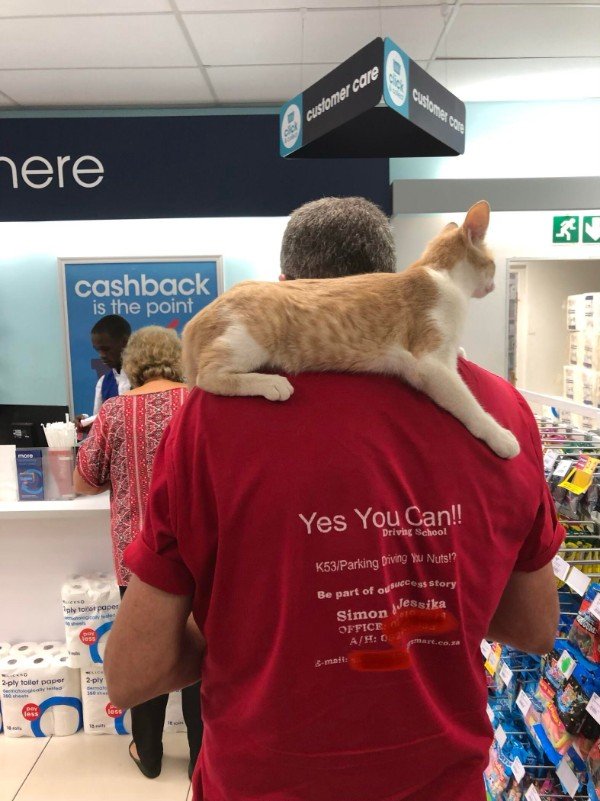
30, 474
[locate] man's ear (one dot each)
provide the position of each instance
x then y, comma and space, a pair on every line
282, 277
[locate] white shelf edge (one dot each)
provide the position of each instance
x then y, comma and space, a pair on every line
563, 404
80, 506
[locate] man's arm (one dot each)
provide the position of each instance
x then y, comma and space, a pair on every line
527, 615
154, 646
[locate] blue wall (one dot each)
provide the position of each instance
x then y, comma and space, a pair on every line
32, 359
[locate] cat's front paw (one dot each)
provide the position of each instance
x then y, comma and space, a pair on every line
277, 388
504, 443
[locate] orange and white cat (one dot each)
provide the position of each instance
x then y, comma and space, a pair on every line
406, 324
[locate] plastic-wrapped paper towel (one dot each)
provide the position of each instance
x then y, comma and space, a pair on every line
41, 696
100, 716
174, 721
90, 605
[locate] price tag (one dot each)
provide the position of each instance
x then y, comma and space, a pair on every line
506, 674
490, 713
518, 769
523, 702
560, 567
562, 468
500, 736
550, 458
532, 794
593, 707
569, 780
485, 648
578, 581
566, 664
594, 607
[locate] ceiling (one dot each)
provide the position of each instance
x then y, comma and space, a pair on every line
90, 53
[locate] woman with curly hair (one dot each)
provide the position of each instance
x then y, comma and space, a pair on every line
118, 455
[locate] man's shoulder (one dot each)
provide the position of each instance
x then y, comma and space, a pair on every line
482, 381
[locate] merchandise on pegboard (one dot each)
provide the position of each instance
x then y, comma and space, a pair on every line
546, 711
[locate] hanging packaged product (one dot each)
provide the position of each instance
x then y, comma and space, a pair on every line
585, 631
580, 477
90, 605
41, 696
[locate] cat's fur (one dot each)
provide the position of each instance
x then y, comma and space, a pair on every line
406, 324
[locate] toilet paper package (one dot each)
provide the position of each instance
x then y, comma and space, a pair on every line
576, 312
591, 351
90, 604
41, 696
174, 721
590, 381
4, 652
577, 349
100, 716
573, 383
24, 649
591, 305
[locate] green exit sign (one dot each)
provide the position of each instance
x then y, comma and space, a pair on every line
565, 229
591, 229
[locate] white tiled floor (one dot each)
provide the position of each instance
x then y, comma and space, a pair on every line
88, 768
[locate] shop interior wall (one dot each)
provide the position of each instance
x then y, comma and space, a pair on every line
507, 140
543, 304
518, 235
32, 356
519, 140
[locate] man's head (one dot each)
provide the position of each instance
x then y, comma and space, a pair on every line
109, 337
337, 236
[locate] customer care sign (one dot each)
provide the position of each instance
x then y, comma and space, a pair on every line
166, 292
379, 102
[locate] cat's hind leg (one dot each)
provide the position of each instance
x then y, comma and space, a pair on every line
225, 367
445, 387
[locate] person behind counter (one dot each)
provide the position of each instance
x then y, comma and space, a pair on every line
119, 453
109, 339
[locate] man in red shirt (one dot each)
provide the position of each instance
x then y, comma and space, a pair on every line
293, 532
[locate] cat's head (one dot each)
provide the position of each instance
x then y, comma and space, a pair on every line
461, 251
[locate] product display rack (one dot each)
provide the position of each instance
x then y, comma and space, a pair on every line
546, 711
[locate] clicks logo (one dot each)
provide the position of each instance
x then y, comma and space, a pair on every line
395, 77
291, 126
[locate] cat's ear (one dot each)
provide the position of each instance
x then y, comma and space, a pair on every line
452, 226
477, 221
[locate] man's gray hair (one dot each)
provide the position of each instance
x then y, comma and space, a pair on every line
337, 236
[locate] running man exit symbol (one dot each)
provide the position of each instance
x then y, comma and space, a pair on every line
565, 229
591, 229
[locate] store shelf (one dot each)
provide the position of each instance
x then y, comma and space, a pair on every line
562, 404
83, 506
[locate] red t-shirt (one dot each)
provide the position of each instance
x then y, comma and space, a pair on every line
297, 527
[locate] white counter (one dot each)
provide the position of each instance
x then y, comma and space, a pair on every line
41, 544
